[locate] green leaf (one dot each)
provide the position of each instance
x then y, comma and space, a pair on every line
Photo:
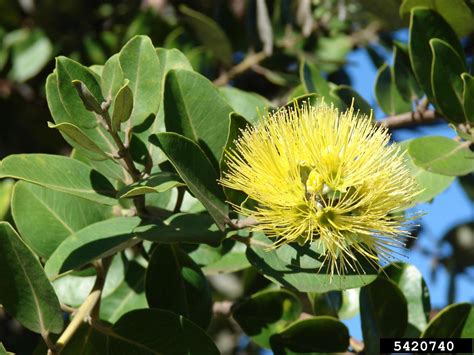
403, 75
386, 93
301, 267
350, 303
61, 174
410, 281
426, 24
249, 105
441, 155
454, 321
186, 290
80, 138
383, 313
26, 293
197, 172
386, 11
67, 71
62, 114
112, 77
6, 188
46, 217
181, 228
468, 97
327, 303
123, 106
350, 97
93, 242
266, 313
128, 296
158, 182
446, 80
172, 59
209, 33
88, 99
160, 332
30, 55
430, 183
86, 341
230, 258
456, 13
195, 109
141, 66
2, 350
321, 334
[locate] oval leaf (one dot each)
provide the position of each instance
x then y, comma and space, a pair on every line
60, 173
454, 321
26, 292
155, 183
123, 106
441, 155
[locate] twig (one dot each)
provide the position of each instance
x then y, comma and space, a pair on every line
409, 119
88, 309
242, 223
247, 63
357, 345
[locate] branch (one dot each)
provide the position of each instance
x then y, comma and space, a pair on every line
88, 309
409, 119
249, 61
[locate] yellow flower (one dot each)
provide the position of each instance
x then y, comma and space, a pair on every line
323, 176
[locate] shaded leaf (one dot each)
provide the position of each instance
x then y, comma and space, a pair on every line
454, 321
266, 313
181, 228
209, 33
187, 292
384, 313
446, 80
26, 293
196, 171
301, 267
321, 334
123, 106
387, 95
403, 75
468, 97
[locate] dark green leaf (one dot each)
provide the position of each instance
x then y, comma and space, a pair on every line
174, 282
123, 106
321, 334
128, 296
46, 217
456, 12
383, 313
266, 313
468, 97
158, 182
403, 75
301, 267
410, 281
387, 95
26, 292
350, 97
196, 171
441, 155
327, 303
426, 24
209, 33
93, 242
454, 321
59, 173
141, 66
182, 228
86, 341
195, 109
159, 332
446, 80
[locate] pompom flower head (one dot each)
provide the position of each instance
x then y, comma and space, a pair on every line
320, 175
